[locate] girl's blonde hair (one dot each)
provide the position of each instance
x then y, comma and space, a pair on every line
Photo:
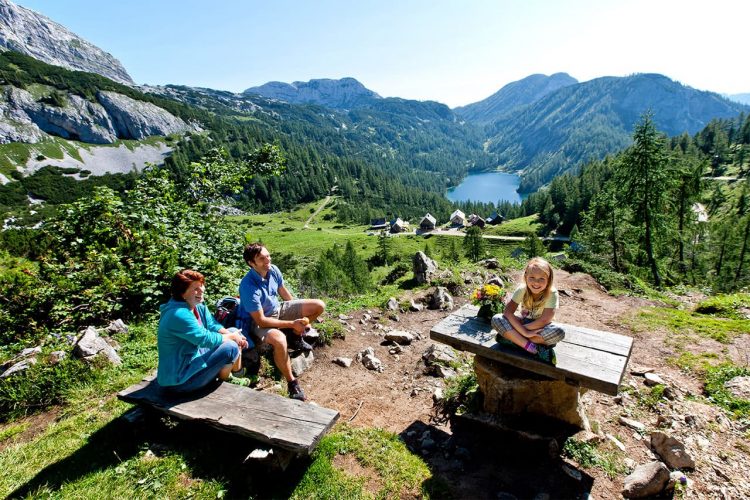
530, 302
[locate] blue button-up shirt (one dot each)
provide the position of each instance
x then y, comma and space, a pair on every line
258, 294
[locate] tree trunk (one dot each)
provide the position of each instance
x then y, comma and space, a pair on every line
740, 265
615, 261
650, 253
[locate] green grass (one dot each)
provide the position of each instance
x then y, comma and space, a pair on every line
695, 363
523, 226
590, 455
13, 155
399, 473
682, 323
12, 430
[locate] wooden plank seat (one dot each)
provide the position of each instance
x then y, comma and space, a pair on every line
587, 358
283, 423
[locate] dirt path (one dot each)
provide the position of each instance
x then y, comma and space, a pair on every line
317, 211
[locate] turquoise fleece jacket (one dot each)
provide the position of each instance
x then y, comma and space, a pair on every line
181, 339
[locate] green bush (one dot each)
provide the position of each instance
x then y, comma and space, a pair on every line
725, 306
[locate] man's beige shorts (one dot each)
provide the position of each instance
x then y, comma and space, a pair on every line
289, 310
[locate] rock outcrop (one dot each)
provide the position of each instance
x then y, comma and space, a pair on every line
33, 34
138, 119
115, 116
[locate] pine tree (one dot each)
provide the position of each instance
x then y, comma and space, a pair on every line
534, 246
645, 181
474, 247
384, 247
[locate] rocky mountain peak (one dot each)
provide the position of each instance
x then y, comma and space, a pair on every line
343, 93
33, 34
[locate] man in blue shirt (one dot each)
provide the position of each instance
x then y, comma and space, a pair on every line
260, 290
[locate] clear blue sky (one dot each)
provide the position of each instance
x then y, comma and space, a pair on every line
455, 52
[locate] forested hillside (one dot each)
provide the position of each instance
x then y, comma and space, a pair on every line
665, 210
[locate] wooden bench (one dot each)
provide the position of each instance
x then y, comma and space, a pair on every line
586, 358
283, 423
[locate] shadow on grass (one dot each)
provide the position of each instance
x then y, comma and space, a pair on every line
477, 461
104, 448
210, 454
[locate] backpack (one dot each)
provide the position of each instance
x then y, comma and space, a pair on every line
227, 312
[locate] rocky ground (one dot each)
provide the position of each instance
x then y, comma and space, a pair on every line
480, 463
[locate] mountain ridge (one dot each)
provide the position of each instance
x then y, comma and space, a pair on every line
588, 120
513, 96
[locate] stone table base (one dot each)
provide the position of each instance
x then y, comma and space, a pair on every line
511, 391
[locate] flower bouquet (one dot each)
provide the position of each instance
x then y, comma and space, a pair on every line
489, 298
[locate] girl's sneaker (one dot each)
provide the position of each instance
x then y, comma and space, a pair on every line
546, 354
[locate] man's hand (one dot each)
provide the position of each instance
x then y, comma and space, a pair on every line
300, 325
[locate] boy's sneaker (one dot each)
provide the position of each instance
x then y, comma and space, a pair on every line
295, 391
546, 354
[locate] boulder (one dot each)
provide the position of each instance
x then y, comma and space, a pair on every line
439, 354
496, 280
55, 357
18, 367
653, 379
92, 344
415, 306
301, 362
345, 362
490, 263
646, 480
671, 451
369, 361
400, 337
424, 268
441, 299
511, 391
739, 387
392, 304
117, 326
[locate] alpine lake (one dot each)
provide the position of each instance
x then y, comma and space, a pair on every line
487, 187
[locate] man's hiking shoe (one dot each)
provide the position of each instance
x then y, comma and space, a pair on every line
311, 333
295, 391
297, 343
244, 382
546, 354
